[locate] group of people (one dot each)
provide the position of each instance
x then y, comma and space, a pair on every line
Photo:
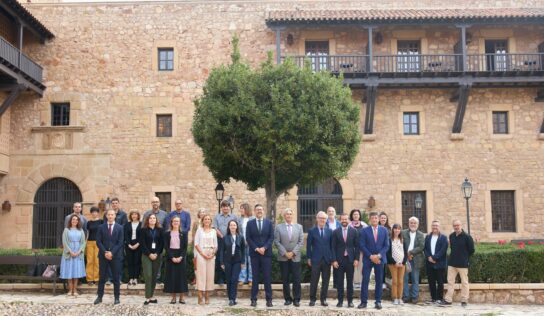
238, 250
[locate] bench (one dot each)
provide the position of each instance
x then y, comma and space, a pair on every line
31, 260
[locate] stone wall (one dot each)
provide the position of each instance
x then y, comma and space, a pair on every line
101, 61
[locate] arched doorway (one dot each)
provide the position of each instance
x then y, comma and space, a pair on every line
52, 202
318, 197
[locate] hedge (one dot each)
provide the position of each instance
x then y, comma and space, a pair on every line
492, 263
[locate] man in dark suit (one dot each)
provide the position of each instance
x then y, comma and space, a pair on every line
259, 236
436, 246
319, 252
109, 240
346, 257
374, 243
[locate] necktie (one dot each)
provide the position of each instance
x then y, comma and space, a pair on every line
375, 233
321, 232
345, 238
260, 226
290, 231
109, 229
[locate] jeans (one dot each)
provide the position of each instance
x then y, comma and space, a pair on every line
246, 273
411, 292
232, 271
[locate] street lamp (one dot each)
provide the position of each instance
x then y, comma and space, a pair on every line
231, 202
219, 191
418, 204
466, 187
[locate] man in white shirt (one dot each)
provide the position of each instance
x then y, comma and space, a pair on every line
436, 246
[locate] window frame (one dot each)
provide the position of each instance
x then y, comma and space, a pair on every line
64, 108
158, 116
410, 124
167, 60
497, 125
511, 218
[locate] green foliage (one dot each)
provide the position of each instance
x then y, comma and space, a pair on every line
275, 126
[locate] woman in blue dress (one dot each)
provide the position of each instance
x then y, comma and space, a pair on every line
72, 265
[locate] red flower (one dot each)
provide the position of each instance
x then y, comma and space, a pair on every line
542, 242
521, 245
530, 242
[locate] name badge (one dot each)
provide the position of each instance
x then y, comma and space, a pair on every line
152, 245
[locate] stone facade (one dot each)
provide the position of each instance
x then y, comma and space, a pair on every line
103, 61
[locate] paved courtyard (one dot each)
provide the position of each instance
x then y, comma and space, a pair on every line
46, 304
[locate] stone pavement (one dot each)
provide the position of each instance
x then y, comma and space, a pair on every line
28, 304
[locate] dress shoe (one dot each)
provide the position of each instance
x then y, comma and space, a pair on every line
98, 300
253, 303
362, 305
116, 302
181, 301
288, 302
146, 302
312, 303
378, 305
231, 303
339, 304
173, 301
463, 304
269, 303
324, 303
153, 301
445, 303
350, 304
296, 303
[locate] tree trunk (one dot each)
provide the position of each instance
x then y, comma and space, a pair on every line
271, 196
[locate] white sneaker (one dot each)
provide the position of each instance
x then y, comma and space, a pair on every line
384, 286
135, 281
395, 302
401, 302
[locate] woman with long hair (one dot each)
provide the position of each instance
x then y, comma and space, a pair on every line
151, 241
196, 226
72, 264
206, 248
356, 222
175, 244
246, 214
231, 255
91, 250
396, 261
133, 251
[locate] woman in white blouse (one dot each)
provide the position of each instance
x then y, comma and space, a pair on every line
205, 249
396, 260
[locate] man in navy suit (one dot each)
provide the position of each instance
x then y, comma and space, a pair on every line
374, 243
109, 241
436, 246
345, 246
259, 237
319, 252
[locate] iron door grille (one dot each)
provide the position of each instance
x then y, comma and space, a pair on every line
315, 198
52, 203
503, 211
409, 209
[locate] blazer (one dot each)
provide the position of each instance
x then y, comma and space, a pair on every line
147, 239
120, 218
439, 252
66, 244
263, 239
370, 247
128, 234
390, 259
351, 245
113, 243
182, 245
285, 245
225, 249
318, 247
419, 244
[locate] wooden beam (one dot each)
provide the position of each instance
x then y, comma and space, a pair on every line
542, 127
11, 97
540, 95
462, 100
370, 99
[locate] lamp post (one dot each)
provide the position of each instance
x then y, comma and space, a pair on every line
219, 191
466, 187
231, 202
418, 204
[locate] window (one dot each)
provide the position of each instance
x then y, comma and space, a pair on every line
60, 114
318, 52
164, 125
409, 208
166, 200
166, 59
503, 211
496, 53
315, 198
409, 59
410, 122
500, 122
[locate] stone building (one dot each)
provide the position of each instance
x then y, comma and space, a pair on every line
110, 114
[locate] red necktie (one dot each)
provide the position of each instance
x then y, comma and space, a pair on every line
345, 238
109, 229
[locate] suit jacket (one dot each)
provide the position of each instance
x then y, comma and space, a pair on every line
120, 218
113, 243
147, 239
256, 239
370, 247
351, 245
225, 249
128, 234
318, 247
285, 245
439, 251
182, 245
419, 244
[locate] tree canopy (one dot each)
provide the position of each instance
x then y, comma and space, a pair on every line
275, 126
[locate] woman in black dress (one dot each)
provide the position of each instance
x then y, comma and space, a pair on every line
175, 243
133, 251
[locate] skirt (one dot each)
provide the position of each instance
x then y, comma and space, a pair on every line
175, 280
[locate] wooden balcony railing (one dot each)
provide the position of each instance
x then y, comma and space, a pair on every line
9, 56
417, 63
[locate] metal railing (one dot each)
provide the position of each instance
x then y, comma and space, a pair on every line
9, 55
417, 63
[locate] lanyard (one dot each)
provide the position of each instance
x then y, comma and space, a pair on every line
153, 234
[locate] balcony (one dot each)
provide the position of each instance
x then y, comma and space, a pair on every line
9, 57
446, 66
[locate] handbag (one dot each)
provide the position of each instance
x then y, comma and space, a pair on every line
408, 266
37, 268
50, 271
